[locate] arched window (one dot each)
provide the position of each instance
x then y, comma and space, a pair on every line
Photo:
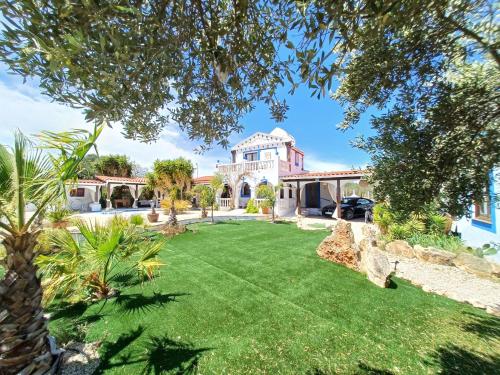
245, 190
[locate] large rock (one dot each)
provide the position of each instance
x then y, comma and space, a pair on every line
400, 248
435, 256
339, 247
495, 270
474, 264
377, 267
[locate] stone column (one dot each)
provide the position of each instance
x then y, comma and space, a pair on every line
108, 196
338, 200
297, 200
136, 196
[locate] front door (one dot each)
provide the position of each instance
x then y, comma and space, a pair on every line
312, 195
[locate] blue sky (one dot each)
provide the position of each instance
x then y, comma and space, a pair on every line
311, 121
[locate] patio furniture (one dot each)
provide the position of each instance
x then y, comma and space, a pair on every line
95, 207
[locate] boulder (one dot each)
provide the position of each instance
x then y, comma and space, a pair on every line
473, 264
401, 248
339, 247
495, 269
435, 256
377, 267
369, 231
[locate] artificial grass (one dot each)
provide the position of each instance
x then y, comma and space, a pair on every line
254, 298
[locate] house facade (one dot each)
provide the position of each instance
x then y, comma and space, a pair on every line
482, 226
274, 158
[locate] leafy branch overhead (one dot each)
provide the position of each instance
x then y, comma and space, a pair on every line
200, 64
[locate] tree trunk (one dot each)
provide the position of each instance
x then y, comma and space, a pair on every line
23, 328
212, 213
172, 220
204, 212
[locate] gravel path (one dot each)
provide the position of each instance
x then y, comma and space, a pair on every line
451, 282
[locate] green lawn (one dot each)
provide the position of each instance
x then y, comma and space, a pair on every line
254, 298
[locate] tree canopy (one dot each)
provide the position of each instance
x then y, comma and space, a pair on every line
202, 64
433, 66
107, 165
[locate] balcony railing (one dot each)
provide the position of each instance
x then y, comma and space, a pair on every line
247, 166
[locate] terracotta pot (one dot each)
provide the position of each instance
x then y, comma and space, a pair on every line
59, 224
153, 218
265, 210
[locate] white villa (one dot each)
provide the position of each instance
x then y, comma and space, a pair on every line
273, 158
263, 158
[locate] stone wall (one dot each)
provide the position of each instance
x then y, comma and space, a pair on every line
467, 262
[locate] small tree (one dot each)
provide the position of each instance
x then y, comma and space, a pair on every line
170, 176
206, 196
216, 184
269, 194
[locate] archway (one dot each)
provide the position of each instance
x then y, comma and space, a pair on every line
121, 197
226, 191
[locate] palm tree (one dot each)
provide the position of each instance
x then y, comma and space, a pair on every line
182, 180
29, 175
86, 268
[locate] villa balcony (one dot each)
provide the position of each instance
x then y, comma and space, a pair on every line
247, 166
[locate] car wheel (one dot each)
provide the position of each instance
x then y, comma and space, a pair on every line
349, 215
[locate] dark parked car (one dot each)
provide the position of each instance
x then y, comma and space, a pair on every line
351, 208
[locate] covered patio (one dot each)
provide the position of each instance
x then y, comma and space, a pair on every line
315, 190
86, 195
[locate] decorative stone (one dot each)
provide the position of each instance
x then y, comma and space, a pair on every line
377, 267
369, 231
401, 248
473, 264
339, 247
495, 270
435, 256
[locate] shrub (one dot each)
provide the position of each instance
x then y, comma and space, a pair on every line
251, 207
136, 220
85, 269
439, 241
58, 215
398, 232
436, 223
383, 217
180, 205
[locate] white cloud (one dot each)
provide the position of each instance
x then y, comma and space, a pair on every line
24, 108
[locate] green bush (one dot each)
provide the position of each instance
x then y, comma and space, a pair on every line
436, 224
398, 232
251, 208
58, 215
136, 220
428, 228
383, 217
439, 241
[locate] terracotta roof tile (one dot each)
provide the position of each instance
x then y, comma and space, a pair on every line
326, 174
125, 180
89, 182
202, 180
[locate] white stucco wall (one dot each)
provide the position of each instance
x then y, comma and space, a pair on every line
476, 233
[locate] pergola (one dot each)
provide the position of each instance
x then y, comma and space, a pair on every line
135, 184
331, 177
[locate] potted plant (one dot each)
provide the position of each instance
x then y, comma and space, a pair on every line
153, 215
59, 217
264, 207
